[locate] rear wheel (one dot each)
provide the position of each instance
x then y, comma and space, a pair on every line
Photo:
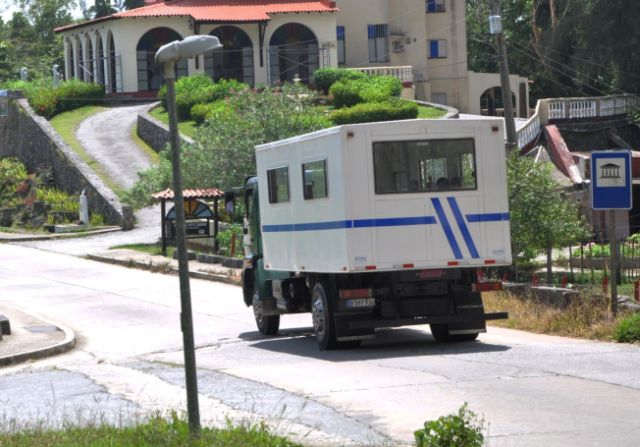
267, 324
323, 325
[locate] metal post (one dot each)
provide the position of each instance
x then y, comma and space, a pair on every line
613, 255
512, 142
186, 318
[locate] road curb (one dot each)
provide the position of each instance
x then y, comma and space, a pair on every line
65, 345
170, 270
16, 237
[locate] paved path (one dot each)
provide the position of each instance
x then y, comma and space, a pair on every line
106, 137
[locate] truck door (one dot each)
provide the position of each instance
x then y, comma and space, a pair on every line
252, 236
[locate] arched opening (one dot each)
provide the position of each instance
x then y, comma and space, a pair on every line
100, 60
293, 50
150, 75
111, 65
491, 103
70, 60
89, 60
234, 60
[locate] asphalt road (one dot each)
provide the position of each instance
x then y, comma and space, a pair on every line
532, 390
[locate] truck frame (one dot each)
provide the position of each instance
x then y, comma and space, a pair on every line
378, 225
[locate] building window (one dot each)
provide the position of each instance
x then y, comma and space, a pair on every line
435, 6
314, 179
278, 183
378, 43
439, 98
424, 166
341, 45
437, 49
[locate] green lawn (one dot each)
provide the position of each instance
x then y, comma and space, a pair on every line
157, 432
430, 112
66, 124
187, 128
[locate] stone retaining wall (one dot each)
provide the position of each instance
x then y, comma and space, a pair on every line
32, 140
154, 132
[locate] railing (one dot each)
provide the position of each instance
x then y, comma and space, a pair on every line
404, 73
574, 108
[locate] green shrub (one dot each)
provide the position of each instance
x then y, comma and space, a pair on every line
12, 174
198, 89
225, 237
376, 111
69, 95
349, 92
461, 429
324, 78
345, 94
628, 329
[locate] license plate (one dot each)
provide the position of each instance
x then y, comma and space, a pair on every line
360, 302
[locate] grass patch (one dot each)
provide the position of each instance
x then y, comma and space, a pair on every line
66, 125
430, 112
588, 317
157, 432
628, 329
187, 128
153, 155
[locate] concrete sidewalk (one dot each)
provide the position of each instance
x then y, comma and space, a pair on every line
26, 237
32, 337
161, 264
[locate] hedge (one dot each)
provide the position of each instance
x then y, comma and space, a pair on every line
347, 93
69, 95
198, 89
324, 78
376, 111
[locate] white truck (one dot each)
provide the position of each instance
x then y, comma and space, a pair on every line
378, 225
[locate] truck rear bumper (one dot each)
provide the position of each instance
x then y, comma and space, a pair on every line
445, 319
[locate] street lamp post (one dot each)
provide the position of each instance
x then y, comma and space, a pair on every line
495, 27
168, 55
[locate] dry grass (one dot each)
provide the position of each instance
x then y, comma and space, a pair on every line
589, 317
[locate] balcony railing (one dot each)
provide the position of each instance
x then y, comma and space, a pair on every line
404, 73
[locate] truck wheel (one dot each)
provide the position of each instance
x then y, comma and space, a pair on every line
267, 324
464, 337
322, 314
440, 332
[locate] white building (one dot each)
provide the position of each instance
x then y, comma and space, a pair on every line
421, 41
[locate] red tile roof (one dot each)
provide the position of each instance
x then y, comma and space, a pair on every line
221, 11
207, 193
229, 10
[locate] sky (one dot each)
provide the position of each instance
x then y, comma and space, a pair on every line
7, 11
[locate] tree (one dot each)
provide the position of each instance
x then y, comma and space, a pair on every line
102, 8
541, 218
567, 47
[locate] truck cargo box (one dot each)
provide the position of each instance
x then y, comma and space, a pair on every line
408, 194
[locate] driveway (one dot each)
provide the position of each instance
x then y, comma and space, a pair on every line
106, 137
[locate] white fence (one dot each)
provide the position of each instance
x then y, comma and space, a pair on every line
574, 108
404, 73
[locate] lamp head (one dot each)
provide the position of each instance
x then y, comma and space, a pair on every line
186, 48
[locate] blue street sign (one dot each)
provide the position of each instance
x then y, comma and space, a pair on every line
611, 180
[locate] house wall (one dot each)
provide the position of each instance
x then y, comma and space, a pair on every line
480, 82
128, 32
448, 75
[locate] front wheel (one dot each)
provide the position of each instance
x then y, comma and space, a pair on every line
267, 324
323, 325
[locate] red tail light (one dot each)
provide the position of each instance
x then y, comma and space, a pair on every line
490, 286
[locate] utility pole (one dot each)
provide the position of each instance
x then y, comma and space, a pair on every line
495, 27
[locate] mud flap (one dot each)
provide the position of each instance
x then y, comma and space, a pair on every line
470, 305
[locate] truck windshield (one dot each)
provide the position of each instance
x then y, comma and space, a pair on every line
424, 166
